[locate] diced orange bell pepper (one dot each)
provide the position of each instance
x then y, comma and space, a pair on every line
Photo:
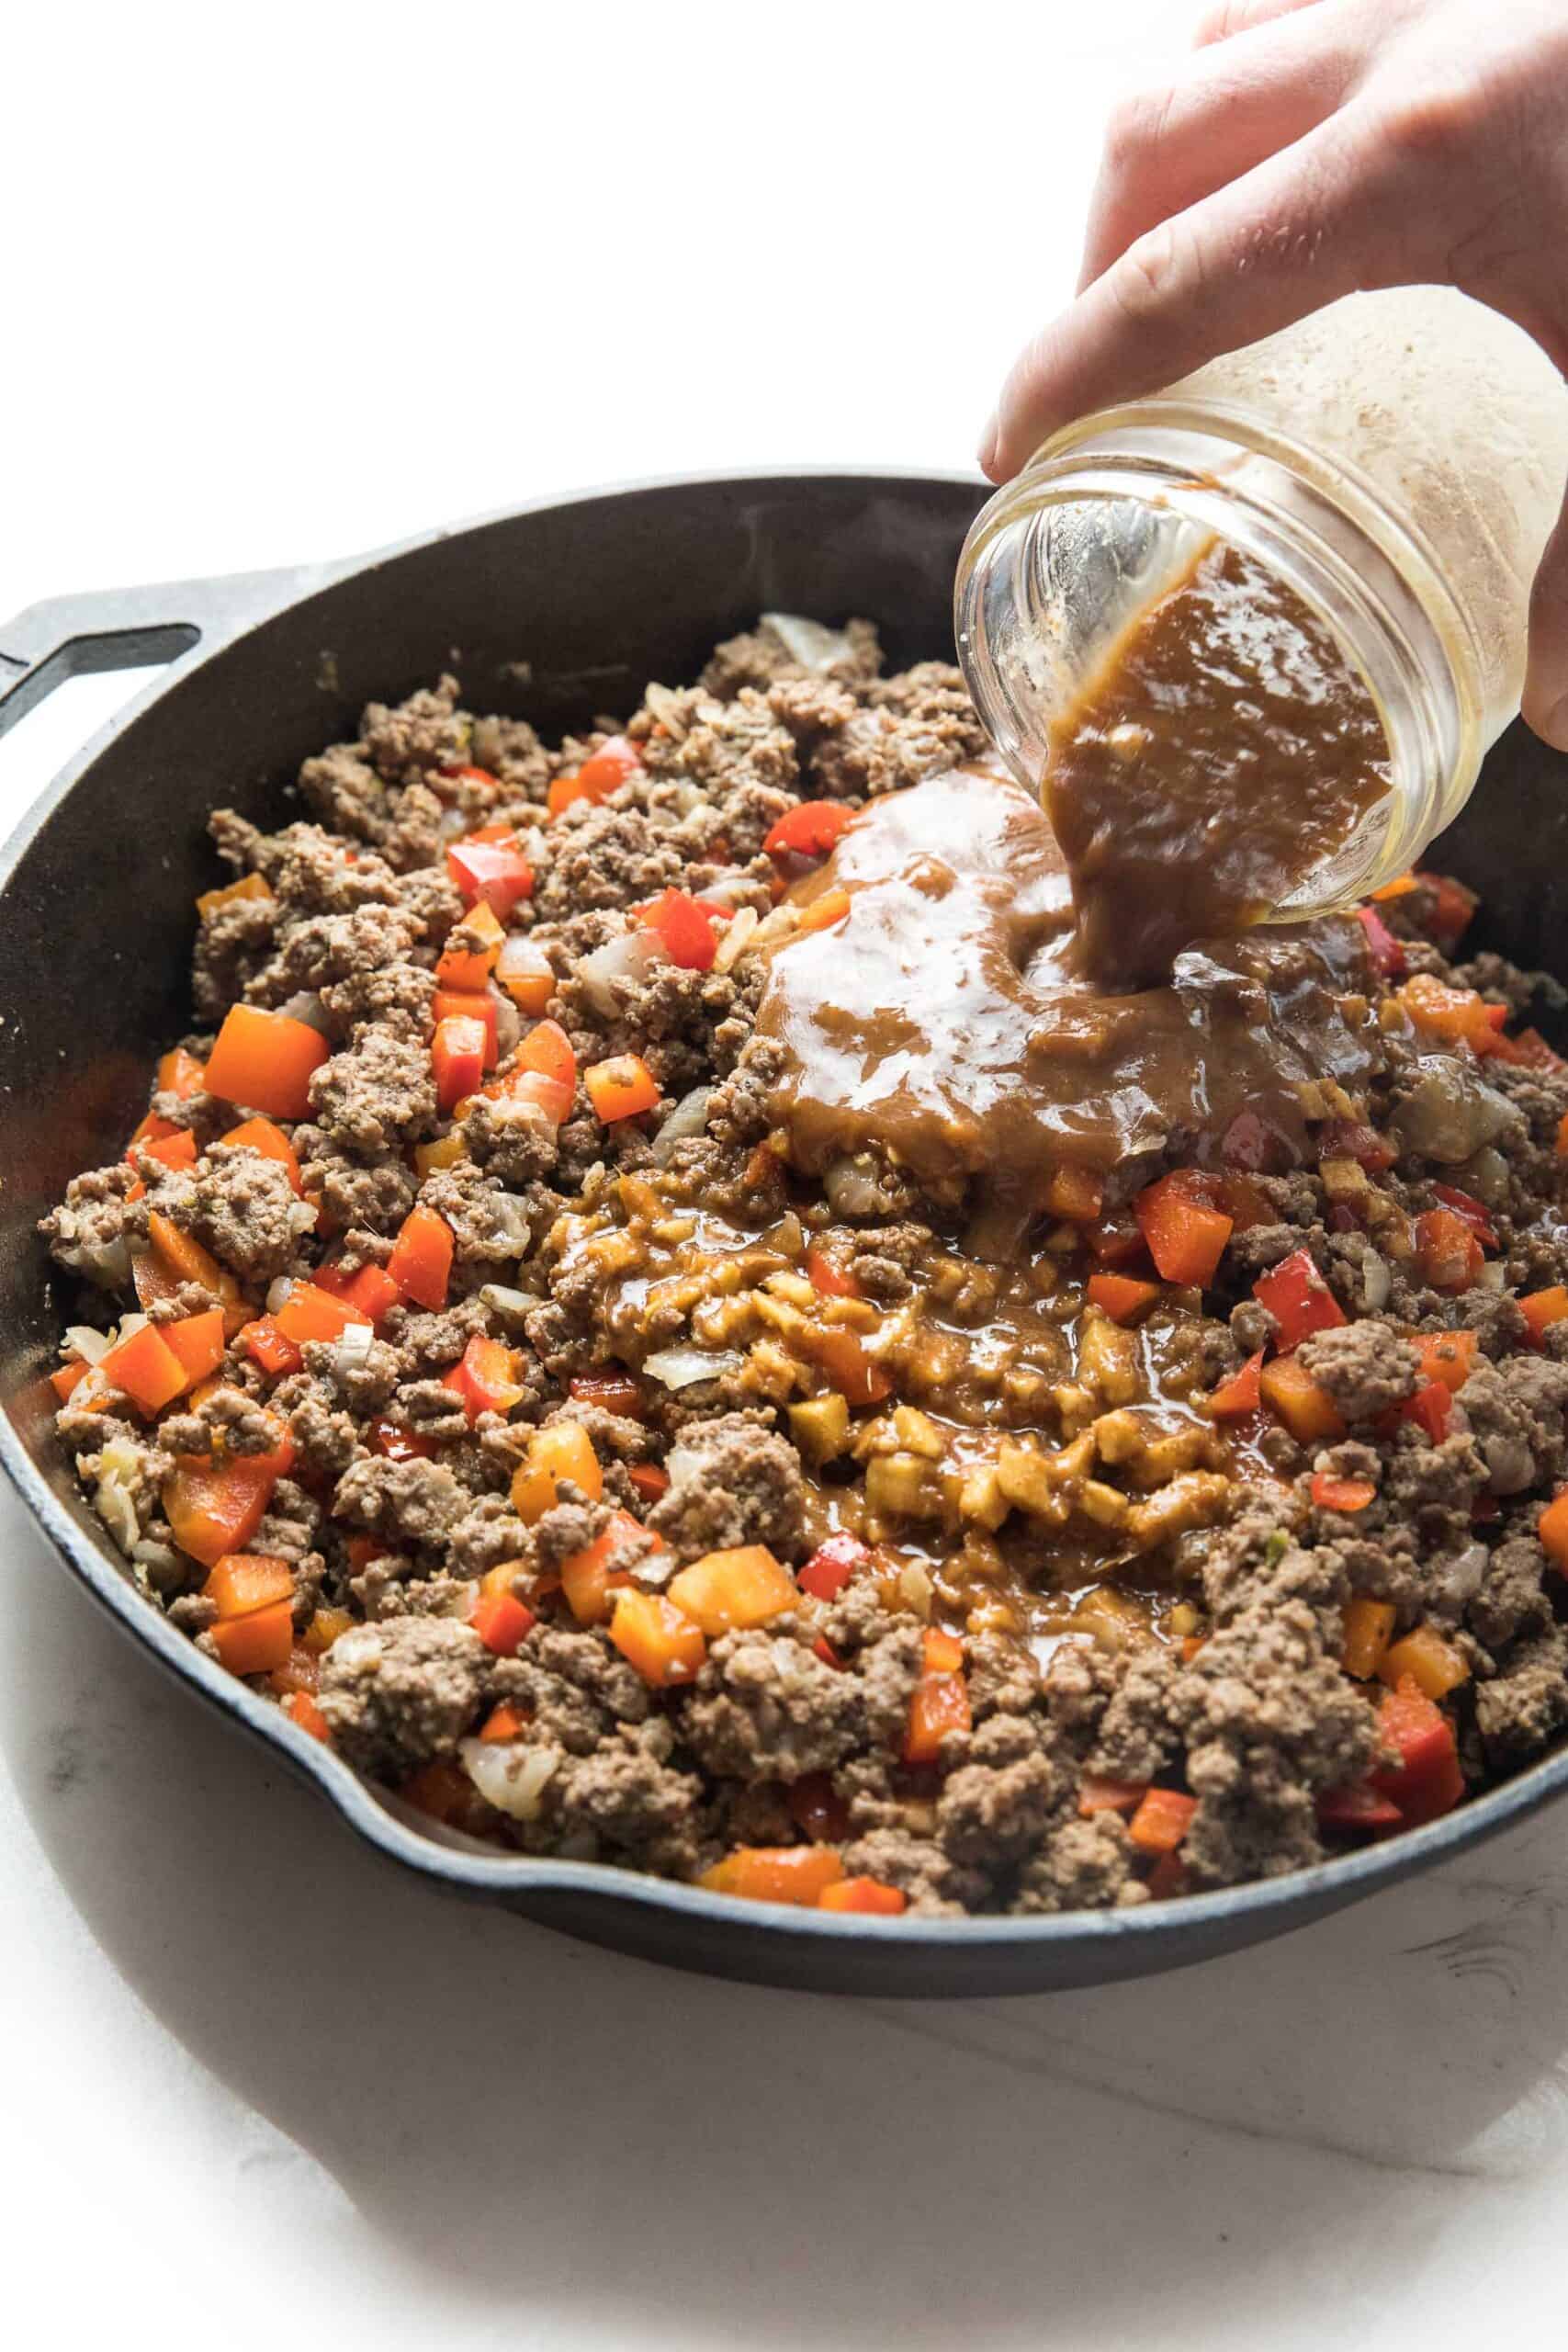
1241, 1393
827, 1275
562, 1451
821, 913
1341, 1494
651, 1479
1457, 1015
746, 1585
265, 1060
260, 1134
458, 1059
177, 1150
257, 1644
242, 1582
249, 885
1308, 1411
67, 1377
775, 1874
543, 1070
663, 1643
486, 1379
1551, 1530
1428, 1779
421, 1263
1369, 1629
328, 1625
1541, 1309
1449, 1357
683, 927
181, 1074
1186, 1237
301, 1709
1162, 1821
151, 1129
468, 967
198, 1340
1434, 1665
601, 773
215, 1504
872, 1895
144, 1368
455, 1004
586, 1576
809, 830
311, 1313
1121, 1296
622, 1088
502, 1723
185, 1259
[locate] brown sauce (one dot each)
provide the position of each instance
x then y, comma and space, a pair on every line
1224, 751
945, 1025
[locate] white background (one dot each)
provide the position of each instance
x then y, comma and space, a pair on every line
284, 282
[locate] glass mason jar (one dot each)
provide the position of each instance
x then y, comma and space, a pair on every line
1397, 460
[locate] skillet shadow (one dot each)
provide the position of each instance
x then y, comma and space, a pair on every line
683, 2155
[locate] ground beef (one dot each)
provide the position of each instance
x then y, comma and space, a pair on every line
397, 1694
871, 1362
732, 1480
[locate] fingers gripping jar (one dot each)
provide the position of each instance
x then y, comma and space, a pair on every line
1395, 460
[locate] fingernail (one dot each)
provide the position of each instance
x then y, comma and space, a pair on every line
987, 449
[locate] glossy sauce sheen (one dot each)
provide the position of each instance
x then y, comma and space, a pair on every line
947, 1023
1225, 751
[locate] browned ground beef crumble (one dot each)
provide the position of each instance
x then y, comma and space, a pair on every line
1168, 1606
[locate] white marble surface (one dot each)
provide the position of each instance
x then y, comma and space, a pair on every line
256, 2084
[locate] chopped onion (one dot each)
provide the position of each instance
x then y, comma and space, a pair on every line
740, 931
502, 1300
512, 1224
1492, 1275
689, 1117
521, 963
665, 705
351, 1348
852, 1187
725, 889
308, 1009
83, 1340
624, 959
511, 1778
129, 1323
681, 1367
915, 1591
776, 928
278, 1293
1376, 1280
508, 1022
810, 643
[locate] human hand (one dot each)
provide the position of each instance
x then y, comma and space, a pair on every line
1309, 149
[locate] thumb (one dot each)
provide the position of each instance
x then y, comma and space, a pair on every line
1546, 681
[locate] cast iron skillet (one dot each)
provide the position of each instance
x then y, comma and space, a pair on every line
554, 613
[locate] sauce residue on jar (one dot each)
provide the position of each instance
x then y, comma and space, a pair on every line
1222, 752
945, 1023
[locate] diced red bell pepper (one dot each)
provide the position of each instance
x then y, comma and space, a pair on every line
1474, 1212
544, 1055
486, 1378
1358, 1806
651, 1479
1450, 1356
266, 1345
616, 761
1431, 1410
825, 1276
1099, 1794
495, 871
372, 1292
844, 1358
455, 1004
457, 1059
1116, 1239
464, 967
1427, 1779
1542, 1308
940, 1701
502, 1623
808, 831
1342, 1494
214, 1504
613, 1391
818, 1810
309, 1313
421, 1263
1449, 917
831, 1565
398, 1443
682, 929
1187, 1237
1250, 1143
177, 1150
1162, 1821
1299, 1300
265, 1060
1353, 1139
257, 1644
1388, 958
1241, 1393
302, 1709
1448, 1254
198, 1341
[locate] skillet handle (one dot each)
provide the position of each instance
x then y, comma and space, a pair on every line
128, 629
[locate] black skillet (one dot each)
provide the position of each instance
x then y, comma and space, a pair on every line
555, 613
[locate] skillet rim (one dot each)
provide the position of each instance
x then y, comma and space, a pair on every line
1144, 1939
